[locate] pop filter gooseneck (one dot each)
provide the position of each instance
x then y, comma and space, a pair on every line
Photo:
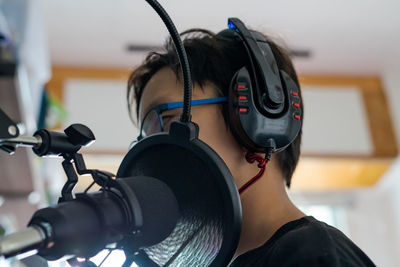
208, 229
183, 60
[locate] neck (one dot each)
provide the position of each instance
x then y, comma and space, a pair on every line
265, 208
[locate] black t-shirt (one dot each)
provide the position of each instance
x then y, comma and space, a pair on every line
305, 242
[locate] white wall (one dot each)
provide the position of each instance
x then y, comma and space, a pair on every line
106, 114
391, 83
374, 216
374, 219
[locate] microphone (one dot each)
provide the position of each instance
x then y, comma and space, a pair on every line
143, 209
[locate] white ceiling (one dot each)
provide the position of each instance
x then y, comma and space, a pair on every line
344, 36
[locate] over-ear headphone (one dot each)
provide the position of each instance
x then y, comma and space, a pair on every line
264, 103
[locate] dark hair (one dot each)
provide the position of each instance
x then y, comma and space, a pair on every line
213, 58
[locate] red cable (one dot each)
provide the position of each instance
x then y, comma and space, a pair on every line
250, 157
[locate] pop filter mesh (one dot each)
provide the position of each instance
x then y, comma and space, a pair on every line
194, 242
199, 234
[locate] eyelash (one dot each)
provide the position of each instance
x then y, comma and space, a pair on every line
167, 118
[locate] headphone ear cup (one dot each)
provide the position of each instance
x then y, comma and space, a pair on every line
252, 129
240, 105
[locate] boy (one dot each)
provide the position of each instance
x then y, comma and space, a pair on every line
274, 231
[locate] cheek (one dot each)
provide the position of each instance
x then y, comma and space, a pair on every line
214, 132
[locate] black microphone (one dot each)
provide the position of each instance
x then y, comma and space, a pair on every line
143, 209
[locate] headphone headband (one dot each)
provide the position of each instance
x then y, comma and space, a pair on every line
273, 95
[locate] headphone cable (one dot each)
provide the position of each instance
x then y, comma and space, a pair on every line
262, 162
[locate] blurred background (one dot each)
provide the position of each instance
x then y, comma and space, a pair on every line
68, 61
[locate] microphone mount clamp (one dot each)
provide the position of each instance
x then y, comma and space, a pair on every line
52, 143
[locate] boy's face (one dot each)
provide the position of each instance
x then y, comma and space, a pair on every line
163, 87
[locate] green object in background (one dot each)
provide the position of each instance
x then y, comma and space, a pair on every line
2, 230
52, 113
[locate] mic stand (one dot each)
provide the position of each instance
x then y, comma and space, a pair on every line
67, 145
8, 129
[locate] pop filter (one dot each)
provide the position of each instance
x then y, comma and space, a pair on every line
208, 230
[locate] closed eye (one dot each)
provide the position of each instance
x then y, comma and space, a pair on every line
168, 119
